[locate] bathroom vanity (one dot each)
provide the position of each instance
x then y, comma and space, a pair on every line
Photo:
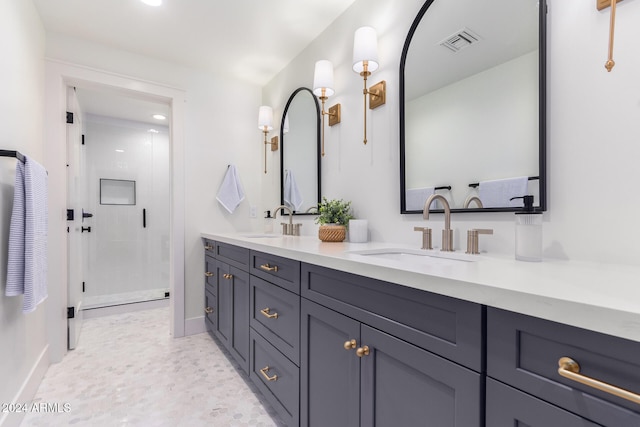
363, 334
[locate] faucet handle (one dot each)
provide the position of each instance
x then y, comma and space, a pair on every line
473, 238
426, 236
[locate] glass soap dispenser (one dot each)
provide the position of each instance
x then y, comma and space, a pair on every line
528, 232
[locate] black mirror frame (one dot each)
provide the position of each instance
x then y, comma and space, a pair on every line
542, 116
319, 129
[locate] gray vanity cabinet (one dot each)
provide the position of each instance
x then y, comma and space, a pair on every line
359, 364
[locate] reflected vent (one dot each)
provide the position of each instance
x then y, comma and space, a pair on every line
460, 39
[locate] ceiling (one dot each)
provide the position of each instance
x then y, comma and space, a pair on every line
250, 40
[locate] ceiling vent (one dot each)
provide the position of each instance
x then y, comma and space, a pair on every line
460, 39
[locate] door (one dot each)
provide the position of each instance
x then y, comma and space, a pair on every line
75, 201
329, 372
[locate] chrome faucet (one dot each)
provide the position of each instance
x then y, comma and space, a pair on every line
447, 233
473, 199
289, 229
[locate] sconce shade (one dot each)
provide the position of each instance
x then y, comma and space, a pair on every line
265, 118
323, 78
285, 128
365, 48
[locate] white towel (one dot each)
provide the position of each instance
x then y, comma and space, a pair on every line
27, 260
497, 193
292, 197
417, 196
231, 192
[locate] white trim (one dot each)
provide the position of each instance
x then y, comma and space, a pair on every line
27, 390
59, 75
194, 325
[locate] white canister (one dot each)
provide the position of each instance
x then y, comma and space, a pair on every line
358, 231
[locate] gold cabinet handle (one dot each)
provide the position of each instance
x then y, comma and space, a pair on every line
208, 274
267, 267
264, 371
208, 310
569, 368
265, 312
363, 351
227, 276
208, 247
350, 345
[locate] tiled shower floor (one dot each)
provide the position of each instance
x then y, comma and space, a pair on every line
128, 371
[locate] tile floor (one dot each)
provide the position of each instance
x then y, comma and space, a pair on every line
128, 371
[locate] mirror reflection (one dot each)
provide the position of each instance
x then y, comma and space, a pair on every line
299, 155
472, 105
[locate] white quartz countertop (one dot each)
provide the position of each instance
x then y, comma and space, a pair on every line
599, 297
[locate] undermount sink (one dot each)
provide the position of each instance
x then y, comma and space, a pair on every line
413, 255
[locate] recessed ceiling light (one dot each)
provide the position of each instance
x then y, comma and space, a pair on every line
119, 151
152, 2
159, 117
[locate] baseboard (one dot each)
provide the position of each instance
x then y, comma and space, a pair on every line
90, 313
27, 391
194, 326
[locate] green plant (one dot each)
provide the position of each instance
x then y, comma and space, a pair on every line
334, 212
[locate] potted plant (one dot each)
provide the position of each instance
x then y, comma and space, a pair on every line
333, 217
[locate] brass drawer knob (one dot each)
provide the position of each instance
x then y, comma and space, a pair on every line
267, 267
350, 345
266, 313
570, 369
208, 274
363, 351
266, 376
208, 310
208, 247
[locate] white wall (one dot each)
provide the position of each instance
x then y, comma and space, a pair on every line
220, 129
23, 343
593, 131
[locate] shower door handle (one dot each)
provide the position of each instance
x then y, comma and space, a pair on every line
144, 218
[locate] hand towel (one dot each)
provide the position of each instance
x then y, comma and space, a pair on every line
497, 193
230, 193
416, 197
292, 197
27, 260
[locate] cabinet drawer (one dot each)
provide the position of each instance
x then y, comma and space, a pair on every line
233, 255
508, 407
209, 247
210, 274
275, 314
446, 326
276, 377
524, 351
281, 271
210, 308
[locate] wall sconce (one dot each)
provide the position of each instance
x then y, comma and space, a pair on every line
323, 89
265, 123
365, 61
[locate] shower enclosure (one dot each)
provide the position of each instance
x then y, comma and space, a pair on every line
125, 224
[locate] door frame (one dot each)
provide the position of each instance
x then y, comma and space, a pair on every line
59, 75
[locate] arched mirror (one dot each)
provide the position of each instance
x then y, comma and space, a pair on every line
300, 153
472, 105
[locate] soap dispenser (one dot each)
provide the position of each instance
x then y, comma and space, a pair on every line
528, 232
268, 222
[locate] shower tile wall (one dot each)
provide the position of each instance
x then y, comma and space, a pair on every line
121, 256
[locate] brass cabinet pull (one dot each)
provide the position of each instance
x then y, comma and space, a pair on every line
208, 247
569, 368
265, 312
208, 274
227, 276
208, 310
267, 267
264, 371
363, 351
350, 345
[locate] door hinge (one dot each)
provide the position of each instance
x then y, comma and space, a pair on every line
82, 139
70, 214
82, 286
71, 312
69, 117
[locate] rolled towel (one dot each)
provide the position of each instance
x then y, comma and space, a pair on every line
230, 193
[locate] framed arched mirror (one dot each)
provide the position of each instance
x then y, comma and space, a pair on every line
300, 153
472, 103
